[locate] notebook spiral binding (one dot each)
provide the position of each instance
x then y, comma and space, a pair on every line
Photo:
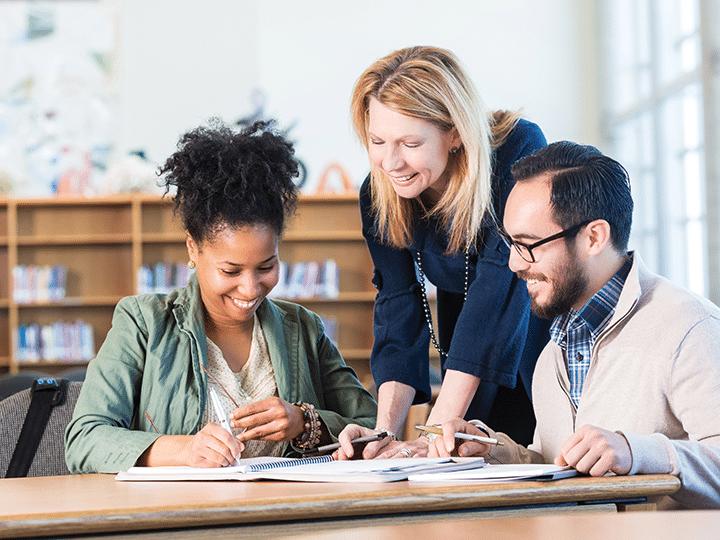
259, 467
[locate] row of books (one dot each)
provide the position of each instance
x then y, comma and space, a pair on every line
298, 280
60, 341
38, 283
162, 277
308, 280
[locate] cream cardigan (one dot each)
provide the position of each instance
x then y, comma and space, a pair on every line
655, 377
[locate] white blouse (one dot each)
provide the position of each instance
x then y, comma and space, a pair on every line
254, 382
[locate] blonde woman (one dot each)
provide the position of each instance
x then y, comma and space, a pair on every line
440, 175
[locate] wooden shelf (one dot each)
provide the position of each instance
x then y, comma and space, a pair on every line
324, 236
68, 302
70, 240
104, 241
161, 238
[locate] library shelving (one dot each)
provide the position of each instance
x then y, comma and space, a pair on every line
103, 241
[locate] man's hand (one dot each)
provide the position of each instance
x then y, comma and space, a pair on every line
596, 451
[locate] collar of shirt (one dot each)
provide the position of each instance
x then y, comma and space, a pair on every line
576, 331
597, 312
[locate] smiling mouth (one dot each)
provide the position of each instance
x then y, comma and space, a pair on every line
242, 304
403, 179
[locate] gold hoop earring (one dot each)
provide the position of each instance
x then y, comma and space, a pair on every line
191, 265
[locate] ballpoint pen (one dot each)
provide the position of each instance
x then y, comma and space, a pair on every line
359, 440
220, 412
477, 438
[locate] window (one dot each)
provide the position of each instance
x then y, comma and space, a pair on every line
657, 94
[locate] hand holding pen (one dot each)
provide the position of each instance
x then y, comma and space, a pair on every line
475, 442
222, 417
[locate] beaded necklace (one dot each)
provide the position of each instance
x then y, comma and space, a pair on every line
426, 305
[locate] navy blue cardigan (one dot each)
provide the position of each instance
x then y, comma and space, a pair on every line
490, 339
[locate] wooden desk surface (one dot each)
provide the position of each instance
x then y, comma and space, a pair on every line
87, 504
674, 525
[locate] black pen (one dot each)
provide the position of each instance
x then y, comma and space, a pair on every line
359, 440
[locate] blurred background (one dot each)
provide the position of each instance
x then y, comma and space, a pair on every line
94, 94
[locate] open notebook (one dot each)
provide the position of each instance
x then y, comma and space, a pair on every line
315, 469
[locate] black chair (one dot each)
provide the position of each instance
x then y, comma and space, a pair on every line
15, 382
49, 459
73, 374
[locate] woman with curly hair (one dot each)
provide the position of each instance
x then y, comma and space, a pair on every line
281, 381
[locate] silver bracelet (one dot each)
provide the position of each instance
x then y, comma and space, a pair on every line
388, 433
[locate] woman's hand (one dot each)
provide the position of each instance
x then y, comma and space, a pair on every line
352, 432
409, 449
213, 446
272, 419
445, 445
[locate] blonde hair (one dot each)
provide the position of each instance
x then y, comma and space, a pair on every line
430, 84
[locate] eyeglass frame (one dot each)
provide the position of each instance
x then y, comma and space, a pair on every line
529, 247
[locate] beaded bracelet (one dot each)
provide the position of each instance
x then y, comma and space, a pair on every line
310, 437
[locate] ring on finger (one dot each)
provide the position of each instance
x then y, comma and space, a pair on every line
406, 452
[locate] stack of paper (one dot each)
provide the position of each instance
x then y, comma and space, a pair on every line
498, 473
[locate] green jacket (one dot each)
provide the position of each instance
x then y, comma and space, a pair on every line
150, 363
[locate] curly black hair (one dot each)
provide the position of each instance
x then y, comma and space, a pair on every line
232, 179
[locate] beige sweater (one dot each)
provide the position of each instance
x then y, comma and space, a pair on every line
654, 376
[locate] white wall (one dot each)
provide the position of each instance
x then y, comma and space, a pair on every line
182, 61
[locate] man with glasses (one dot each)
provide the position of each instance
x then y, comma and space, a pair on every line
630, 381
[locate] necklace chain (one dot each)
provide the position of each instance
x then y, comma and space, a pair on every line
426, 305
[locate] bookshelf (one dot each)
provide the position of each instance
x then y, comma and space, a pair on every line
103, 242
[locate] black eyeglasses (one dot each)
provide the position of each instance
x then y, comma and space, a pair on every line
525, 250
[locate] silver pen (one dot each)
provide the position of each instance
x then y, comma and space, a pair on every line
220, 413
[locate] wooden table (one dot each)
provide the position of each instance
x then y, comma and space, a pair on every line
92, 504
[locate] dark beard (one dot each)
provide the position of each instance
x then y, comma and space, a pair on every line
565, 294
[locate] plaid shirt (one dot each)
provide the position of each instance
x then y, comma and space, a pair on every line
576, 331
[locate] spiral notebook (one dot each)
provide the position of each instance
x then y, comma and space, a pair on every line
246, 469
313, 469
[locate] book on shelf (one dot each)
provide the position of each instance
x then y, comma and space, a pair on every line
60, 341
161, 278
315, 469
38, 283
493, 473
307, 279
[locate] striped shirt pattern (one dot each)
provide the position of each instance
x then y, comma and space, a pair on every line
576, 331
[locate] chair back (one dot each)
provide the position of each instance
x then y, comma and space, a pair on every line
50, 456
12, 383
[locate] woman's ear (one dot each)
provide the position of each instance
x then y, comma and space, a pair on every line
191, 246
598, 236
455, 139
